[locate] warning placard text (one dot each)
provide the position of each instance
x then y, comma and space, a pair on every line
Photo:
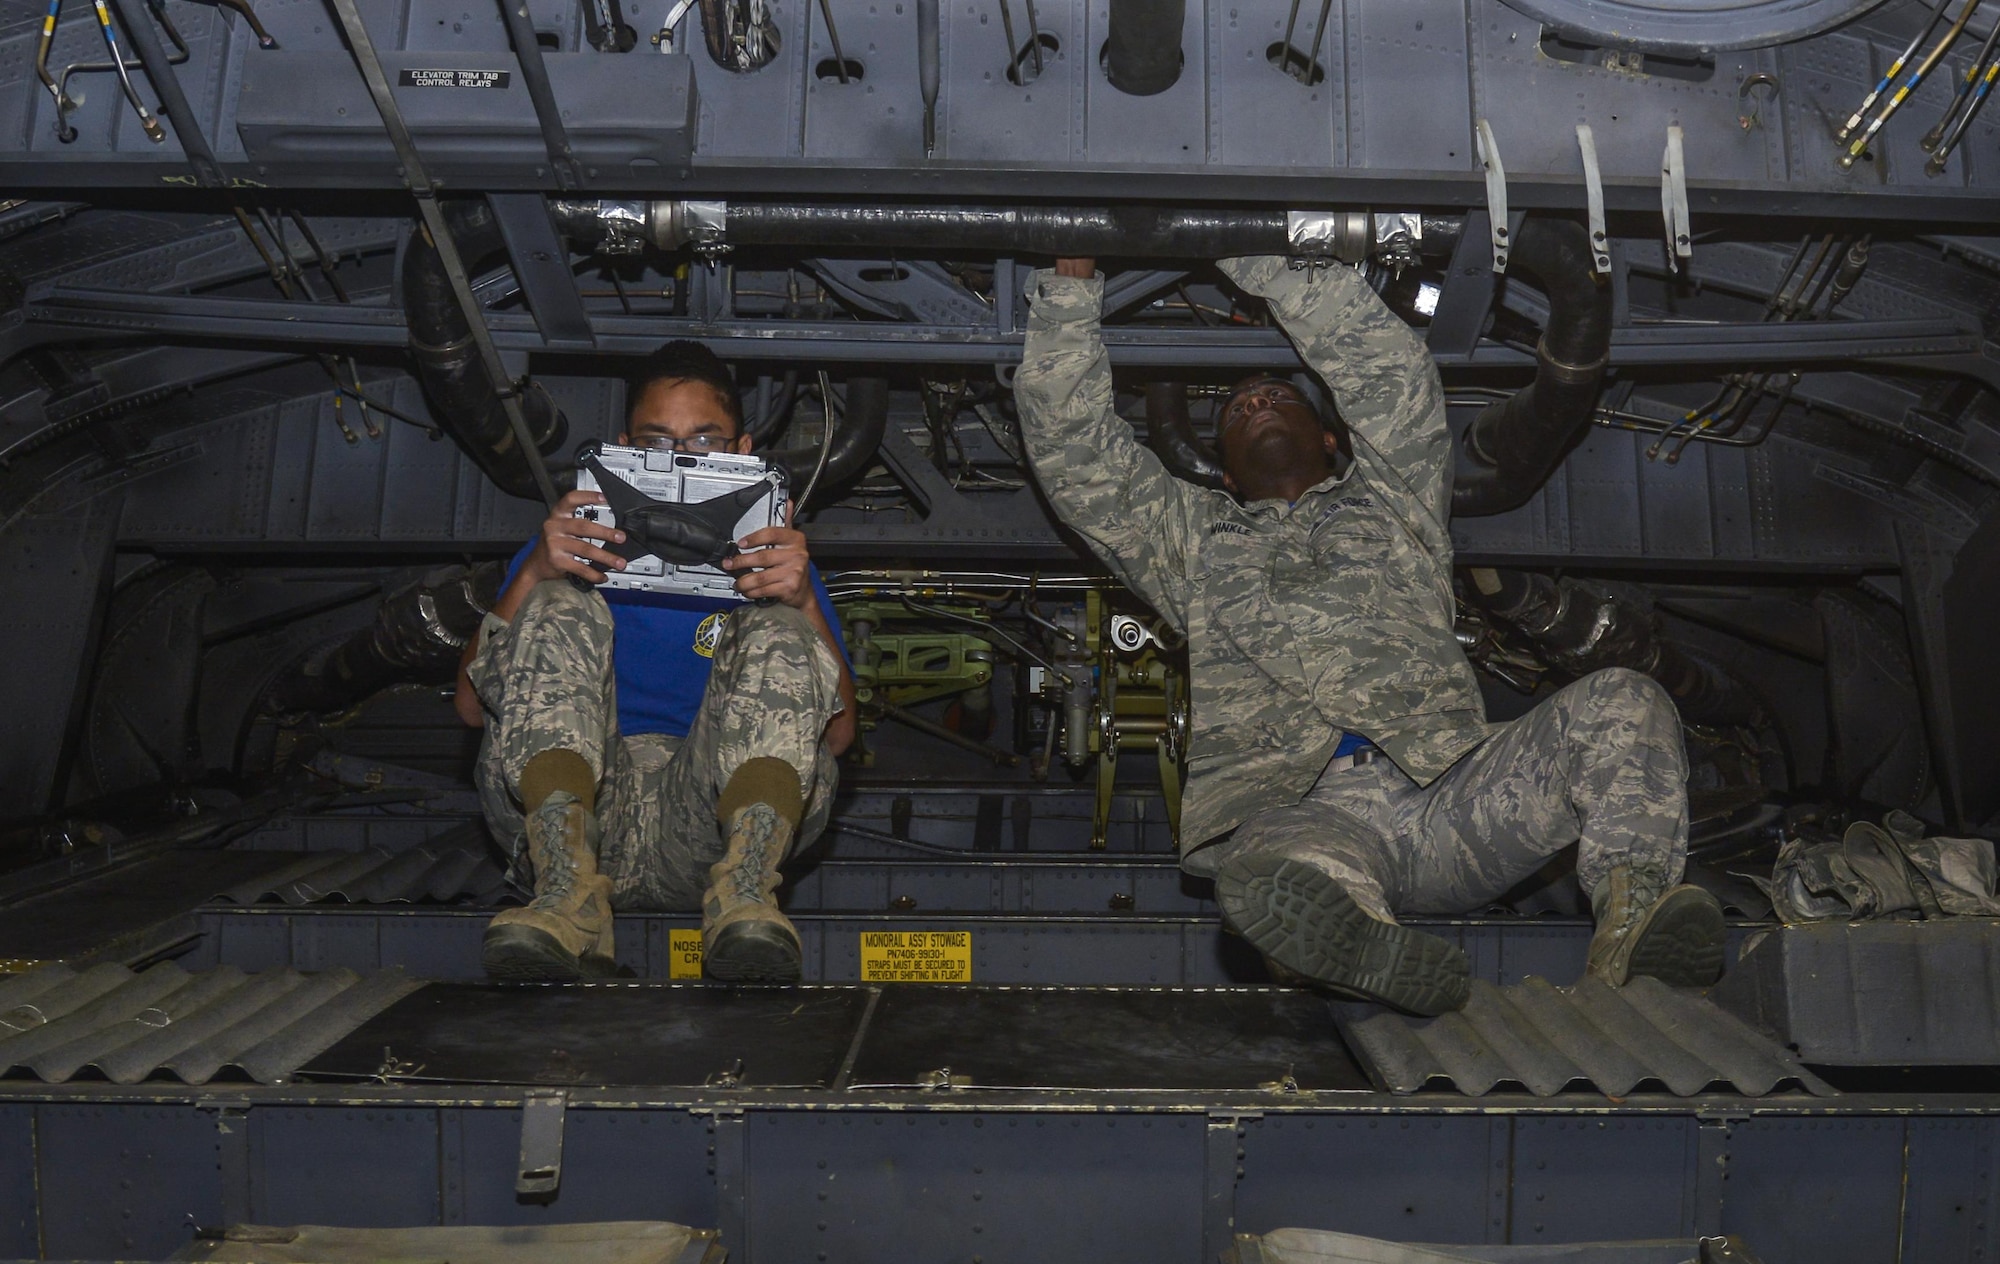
684, 954
916, 956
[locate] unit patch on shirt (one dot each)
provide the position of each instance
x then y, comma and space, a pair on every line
708, 632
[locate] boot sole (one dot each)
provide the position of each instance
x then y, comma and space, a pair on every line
1306, 922
752, 952
1682, 943
522, 954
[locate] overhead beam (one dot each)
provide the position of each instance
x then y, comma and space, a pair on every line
67, 312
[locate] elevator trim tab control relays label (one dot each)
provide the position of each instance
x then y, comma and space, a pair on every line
916, 956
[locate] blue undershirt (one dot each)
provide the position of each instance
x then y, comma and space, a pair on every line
663, 648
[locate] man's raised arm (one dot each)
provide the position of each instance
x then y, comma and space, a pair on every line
1104, 485
1384, 382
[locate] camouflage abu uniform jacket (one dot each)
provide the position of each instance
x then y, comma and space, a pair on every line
1302, 621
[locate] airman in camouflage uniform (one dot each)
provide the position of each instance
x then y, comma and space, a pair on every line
1318, 610
733, 720
546, 681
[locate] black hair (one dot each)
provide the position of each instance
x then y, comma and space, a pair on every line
684, 360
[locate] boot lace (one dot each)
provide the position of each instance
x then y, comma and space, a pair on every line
746, 880
556, 867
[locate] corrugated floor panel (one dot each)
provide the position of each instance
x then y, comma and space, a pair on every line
1536, 1036
443, 870
56, 1022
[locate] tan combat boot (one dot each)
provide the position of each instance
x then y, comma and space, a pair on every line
1673, 934
564, 933
744, 938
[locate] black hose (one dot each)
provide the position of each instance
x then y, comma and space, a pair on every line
1142, 55
1103, 232
1580, 627
1514, 445
463, 397
1170, 433
855, 442
417, 635
1107, 232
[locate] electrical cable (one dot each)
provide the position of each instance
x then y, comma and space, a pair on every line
825, 444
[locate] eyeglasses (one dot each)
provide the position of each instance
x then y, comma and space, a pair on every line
1268, 391
701, 443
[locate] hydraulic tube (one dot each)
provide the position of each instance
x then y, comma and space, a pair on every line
463, 397
1124, 232
1515, 444
1142, 55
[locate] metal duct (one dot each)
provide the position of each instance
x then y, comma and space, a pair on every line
1122, 232
1170, 433
1142, 55
855, 440
1515, 444
465, 400
1581, 627
418, 634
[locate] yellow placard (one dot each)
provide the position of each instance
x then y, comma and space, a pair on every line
916, 956
684, 954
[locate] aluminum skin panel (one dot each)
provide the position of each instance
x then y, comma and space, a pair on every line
624, 114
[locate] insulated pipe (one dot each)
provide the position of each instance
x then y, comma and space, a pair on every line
1170, 433
855, 441
1127, 232
1581, 627
463, 397
418, 635
1515, 444
1142, 55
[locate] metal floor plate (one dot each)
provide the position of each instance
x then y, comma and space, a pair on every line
900, 1036
611, 1034
1104, 1038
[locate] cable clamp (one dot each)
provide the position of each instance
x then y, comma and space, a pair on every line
1496, 193
1674, 201
1593, 192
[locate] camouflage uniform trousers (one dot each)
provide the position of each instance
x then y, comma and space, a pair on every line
1599, 763
546, 682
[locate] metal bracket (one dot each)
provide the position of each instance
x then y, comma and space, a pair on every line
1496, 193
1593, 192
1674, 200
542, 1114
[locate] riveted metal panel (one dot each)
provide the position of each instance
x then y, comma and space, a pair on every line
1536, 101
1601, 1180
1169, 128
327, 1165
1270, 118
991, 116
1815, 1189
1409, 99
616, 1165
1412, 1180
881, 117
20, 1211
999, 1186
124, 1181
1949, 1214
